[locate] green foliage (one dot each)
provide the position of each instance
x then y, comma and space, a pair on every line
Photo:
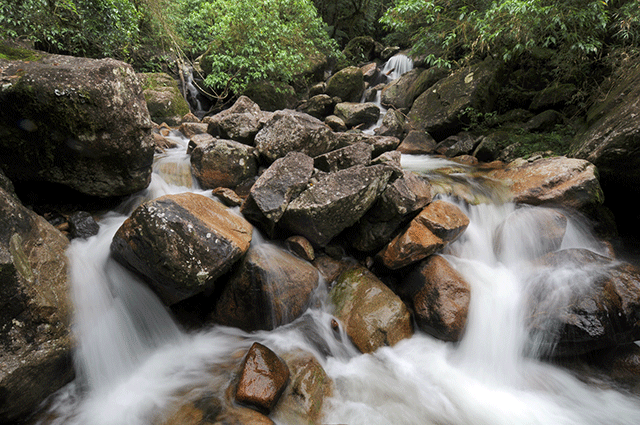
253, 40
79, 27
453, 31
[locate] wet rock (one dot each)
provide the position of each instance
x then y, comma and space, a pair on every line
355, 114
275, 188
440, 109
241, 122
162, 143
372, 314
397, 94
462, 143
417, 143
190, 129
335, 202
301, 247
400, 199
302, 401
340, 159
223, 163
287, 131
437, 224
595, 306
227, 196
347, 84
529, 232
35, 333
568, 182
88, 128
83, 225
269, 288
440, 297
263, 378
181, 243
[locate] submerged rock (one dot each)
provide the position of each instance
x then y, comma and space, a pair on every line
309, 386
269, 288
82, 123
181, 243
582, 302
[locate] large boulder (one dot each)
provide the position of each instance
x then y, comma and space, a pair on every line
593, 305
181, 243
347, 84
335, 202
81, 123
372, 314
568, 182
287, 131
269, 288
441, 109
222, 163
164, 99
275, 188
35, 310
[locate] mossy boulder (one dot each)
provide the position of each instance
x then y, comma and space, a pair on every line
77, 122
164, 99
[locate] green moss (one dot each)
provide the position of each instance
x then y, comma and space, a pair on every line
17, 53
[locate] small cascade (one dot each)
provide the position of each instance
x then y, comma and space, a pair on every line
194, 97
134, 362
396, 66
393, 69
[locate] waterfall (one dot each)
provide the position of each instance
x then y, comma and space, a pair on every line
393, 69
133, 360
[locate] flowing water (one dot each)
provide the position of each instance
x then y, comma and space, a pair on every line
133, 360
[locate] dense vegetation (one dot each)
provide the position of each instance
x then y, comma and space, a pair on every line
248, 40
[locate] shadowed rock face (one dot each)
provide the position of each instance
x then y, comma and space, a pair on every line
81, 123
35, 310
181, 243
